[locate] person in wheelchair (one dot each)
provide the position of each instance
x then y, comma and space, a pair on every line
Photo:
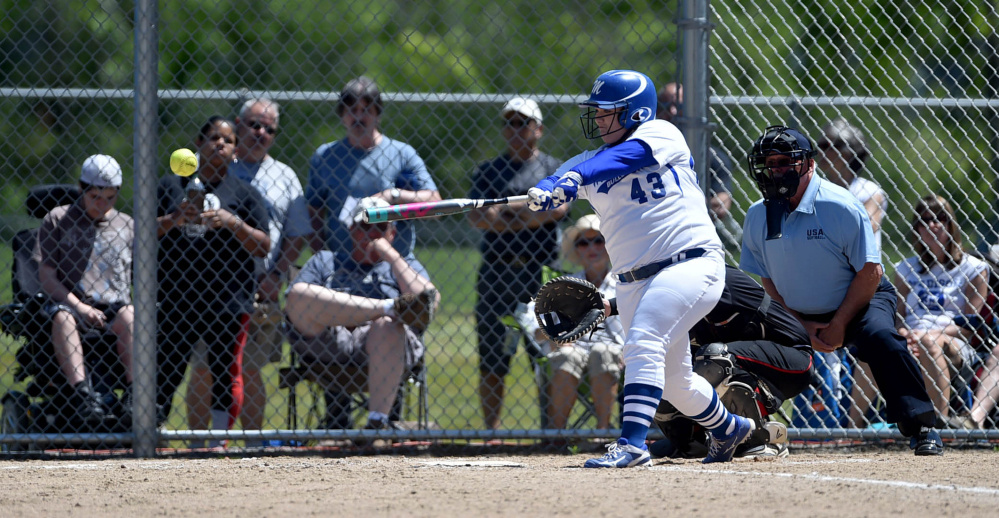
365, 315
599, 355
84, 256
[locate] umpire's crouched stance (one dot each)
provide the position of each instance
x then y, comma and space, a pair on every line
812, 245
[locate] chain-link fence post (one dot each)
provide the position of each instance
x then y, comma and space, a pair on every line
695, 28
145, 160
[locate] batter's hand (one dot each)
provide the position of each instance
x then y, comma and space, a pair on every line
566, 188
539, 199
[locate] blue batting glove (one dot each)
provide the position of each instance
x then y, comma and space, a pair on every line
539, 199
566, 188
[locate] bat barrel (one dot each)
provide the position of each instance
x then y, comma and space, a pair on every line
432, 208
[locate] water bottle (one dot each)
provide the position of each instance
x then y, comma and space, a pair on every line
195, 195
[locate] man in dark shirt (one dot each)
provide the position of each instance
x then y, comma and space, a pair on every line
516, 243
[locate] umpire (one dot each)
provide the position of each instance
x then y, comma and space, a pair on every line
759, 344
811, 244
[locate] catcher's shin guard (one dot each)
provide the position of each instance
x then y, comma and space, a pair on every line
686, 439
740, 399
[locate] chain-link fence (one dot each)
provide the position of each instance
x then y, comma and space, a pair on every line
901, 107
425, 116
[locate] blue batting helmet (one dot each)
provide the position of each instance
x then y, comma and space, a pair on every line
627, 89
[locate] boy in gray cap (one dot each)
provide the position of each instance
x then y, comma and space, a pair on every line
84, 256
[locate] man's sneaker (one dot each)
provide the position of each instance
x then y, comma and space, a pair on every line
723, 448
86, 404
765, 451
416, 309
927, 442
961, 422
620, 454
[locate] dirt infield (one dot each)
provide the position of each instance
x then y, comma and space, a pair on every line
961, 483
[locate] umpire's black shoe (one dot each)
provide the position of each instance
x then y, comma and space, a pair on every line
927, 442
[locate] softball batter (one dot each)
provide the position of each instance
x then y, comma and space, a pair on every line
666, 255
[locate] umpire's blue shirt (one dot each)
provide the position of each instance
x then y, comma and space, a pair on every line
827, 240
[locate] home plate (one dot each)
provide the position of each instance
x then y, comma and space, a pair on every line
473, 464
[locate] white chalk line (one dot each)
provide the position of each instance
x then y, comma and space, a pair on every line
825, 478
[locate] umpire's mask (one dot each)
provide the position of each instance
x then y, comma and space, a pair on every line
778, 180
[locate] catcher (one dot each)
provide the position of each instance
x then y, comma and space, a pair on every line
750, 348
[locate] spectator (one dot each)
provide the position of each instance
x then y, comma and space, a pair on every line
256, 129
207, 274
812, 245
84, 253
940, 283
366, 163
598, 354
367, 311
843, 157
719, 193
516, 243
987, 391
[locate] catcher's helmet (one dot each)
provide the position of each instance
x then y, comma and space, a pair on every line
780, 140
616, 89
848, 140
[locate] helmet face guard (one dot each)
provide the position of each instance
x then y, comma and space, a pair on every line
778, 182
591, 130
631, 95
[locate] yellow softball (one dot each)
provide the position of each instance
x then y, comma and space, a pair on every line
183, 162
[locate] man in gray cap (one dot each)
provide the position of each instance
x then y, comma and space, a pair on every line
84, 256
516, 243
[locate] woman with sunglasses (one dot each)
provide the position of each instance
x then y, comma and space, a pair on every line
598, 355
937, 285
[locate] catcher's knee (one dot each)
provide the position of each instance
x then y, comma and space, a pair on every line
687, 439
739, 391
715, 364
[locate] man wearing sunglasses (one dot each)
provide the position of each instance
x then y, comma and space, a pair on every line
811, 243
256, 129
368, 310
516, 243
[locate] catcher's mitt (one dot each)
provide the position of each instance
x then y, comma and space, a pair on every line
568, 309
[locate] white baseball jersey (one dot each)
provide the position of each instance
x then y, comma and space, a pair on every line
656, 212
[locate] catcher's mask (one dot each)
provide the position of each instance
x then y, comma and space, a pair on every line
790, 154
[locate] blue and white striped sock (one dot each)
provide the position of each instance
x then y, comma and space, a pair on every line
640, 403
716, 418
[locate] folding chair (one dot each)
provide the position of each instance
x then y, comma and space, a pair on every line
353, 381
